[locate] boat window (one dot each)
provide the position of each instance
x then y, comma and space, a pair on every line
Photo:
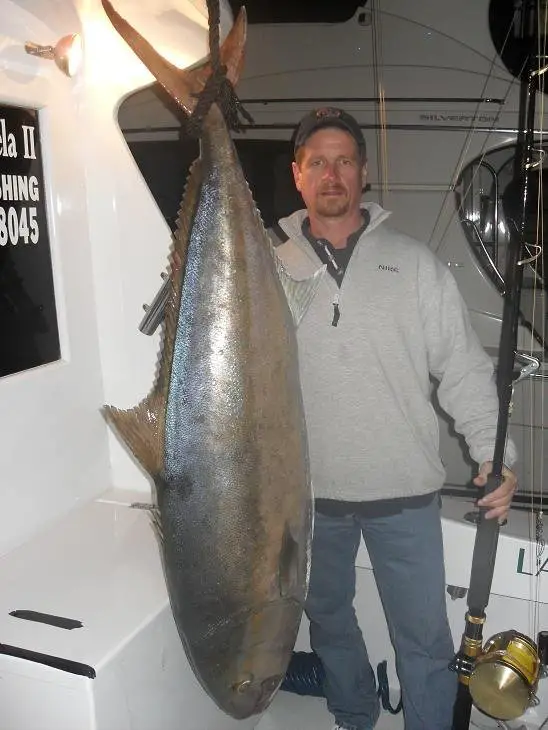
299, 11
165, 152
266, 164
481, 193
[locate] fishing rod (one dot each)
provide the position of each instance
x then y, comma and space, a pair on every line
500, 678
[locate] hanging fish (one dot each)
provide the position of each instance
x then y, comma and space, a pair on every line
222, 433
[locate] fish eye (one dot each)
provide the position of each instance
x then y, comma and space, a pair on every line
243, 686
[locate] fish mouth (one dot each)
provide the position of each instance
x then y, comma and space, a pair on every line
244, 660
269, 636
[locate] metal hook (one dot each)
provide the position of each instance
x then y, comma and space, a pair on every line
532, 364
532, 258
541, 155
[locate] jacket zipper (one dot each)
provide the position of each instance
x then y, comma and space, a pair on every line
336, 311
337, 270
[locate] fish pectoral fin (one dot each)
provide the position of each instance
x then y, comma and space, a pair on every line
154, 516
156, 522
299, 293
288, 566
140, 428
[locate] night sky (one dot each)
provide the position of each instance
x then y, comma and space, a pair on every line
298, 11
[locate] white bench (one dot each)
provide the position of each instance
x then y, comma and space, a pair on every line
124, 668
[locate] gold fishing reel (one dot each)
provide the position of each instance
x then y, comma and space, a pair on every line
505, 675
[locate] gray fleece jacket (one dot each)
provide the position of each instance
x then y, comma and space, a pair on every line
373, 433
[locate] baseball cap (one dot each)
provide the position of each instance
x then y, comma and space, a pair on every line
328, 117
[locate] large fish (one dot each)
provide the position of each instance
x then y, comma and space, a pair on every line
222, 433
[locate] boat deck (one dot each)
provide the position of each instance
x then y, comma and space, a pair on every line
291, 712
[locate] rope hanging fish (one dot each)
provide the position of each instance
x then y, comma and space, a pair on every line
218, 89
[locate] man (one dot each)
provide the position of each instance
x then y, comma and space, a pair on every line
386, 317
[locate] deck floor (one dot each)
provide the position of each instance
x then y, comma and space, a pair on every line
291, 712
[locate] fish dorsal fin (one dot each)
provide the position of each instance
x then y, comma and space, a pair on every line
187, 209
141, 430
156, 524
299, 293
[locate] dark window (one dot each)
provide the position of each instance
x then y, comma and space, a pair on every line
164, 164
266, 165
298, 11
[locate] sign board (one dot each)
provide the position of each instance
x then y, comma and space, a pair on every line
29, 333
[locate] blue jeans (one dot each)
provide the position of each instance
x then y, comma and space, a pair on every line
406, 551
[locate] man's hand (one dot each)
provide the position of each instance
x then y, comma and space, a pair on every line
497, 502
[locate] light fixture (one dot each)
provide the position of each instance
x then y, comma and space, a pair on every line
67, 54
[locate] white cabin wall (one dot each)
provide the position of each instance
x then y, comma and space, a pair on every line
53, 447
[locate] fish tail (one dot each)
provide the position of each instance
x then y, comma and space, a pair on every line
184, 85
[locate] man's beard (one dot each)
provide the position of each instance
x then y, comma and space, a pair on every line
332, 206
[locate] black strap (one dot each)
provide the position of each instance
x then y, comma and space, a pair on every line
384, 690
280, 234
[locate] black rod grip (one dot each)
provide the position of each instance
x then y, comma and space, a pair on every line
462, 708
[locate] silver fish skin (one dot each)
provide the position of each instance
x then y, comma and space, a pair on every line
222, 433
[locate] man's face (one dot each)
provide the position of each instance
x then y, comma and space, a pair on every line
330, 173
